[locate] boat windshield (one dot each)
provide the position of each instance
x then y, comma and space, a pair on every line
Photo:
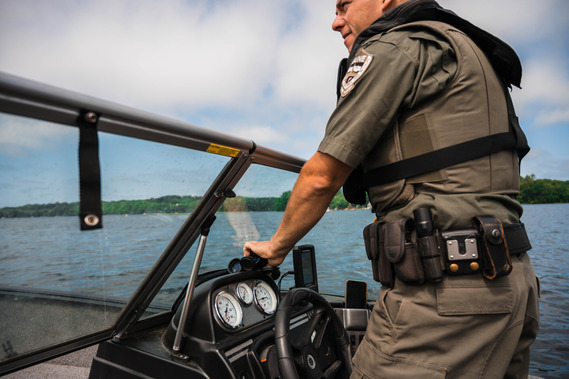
254, 213
160, 179
48, 263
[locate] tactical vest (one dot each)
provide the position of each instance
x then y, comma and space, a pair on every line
473, 106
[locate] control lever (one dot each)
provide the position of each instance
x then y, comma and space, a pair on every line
253, 262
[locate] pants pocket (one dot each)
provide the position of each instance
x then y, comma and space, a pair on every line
372, 363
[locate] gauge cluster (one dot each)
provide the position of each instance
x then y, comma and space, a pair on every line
244, 303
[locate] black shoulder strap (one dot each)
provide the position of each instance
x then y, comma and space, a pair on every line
515, 139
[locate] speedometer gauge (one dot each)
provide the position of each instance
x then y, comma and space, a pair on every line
228, 309
245, 293
265, 298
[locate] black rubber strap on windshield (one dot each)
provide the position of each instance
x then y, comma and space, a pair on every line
90, 209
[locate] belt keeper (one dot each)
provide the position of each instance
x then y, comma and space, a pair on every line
495, 254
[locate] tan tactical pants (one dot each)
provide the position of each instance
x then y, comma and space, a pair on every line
463, 327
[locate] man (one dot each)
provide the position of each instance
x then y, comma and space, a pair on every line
415, 83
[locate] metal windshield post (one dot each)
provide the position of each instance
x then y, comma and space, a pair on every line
192, 282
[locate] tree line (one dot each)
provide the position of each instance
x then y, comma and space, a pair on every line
532, 191
543, 191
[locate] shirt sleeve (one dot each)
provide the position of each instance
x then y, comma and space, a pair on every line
406, 68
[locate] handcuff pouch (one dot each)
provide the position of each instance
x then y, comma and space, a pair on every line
495, 254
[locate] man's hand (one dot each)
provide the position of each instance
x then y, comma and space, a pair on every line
265, 249
319, 181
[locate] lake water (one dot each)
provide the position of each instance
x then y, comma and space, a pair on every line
51, 253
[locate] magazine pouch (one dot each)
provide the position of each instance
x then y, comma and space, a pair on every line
381, 268
494, 252
402, 252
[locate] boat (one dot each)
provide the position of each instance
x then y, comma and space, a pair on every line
185, 306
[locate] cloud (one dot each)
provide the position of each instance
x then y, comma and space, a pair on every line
260, 134
556, 117
264, 70
545, 165
517, 22
546, 81
19, 135
146, 53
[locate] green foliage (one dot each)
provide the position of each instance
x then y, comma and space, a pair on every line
281, 202
532, 191
543, 191
340, 202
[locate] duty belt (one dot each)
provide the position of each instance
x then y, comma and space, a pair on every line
413, 251
487, 248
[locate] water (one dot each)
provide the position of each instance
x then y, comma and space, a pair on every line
51, 253
548, 226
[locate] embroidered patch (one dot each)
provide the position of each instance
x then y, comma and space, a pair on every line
359, 65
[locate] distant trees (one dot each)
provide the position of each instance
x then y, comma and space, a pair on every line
532, 191
542, 191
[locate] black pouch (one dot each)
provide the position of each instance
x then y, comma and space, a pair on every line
495, 255
381, 268
402, 252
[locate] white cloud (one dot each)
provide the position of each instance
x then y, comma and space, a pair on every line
265, 135
265, 70
556, 117
146, 53
20, 135
515, 21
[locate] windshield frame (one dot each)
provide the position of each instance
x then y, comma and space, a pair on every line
34, 100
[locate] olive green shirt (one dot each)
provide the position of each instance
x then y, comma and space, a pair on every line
403, 72
394, 72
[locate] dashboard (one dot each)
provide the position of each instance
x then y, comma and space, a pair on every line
229, 333
244, 303
227, 309
230, 323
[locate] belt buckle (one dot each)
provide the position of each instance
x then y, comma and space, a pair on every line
461, 251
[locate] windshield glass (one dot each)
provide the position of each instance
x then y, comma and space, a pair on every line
57, 282
75, 283
255, 214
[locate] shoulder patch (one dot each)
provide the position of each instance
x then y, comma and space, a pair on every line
359, 65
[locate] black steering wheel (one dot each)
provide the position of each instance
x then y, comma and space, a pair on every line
313, 357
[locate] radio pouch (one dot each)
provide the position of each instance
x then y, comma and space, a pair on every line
494, 252
381, 268
402, 252
392, 252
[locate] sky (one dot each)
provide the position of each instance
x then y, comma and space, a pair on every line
262, 70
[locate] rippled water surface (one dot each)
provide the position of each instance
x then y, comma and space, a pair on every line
51, 253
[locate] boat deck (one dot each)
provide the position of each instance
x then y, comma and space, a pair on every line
71, 366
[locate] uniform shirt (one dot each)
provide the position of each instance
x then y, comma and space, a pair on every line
392, 73
403, 72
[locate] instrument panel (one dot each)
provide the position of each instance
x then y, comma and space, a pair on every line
244, 303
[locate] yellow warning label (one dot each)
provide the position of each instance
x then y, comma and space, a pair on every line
222, 150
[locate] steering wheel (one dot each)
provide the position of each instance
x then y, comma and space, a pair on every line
311, 357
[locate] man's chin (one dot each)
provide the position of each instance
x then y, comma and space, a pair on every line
349, 42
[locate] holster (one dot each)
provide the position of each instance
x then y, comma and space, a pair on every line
495, 255
390, 247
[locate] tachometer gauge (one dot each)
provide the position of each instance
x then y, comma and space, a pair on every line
228, 309
245, 293
265, 298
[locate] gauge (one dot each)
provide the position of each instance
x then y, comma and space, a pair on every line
245, 293
228, 309
265, 297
